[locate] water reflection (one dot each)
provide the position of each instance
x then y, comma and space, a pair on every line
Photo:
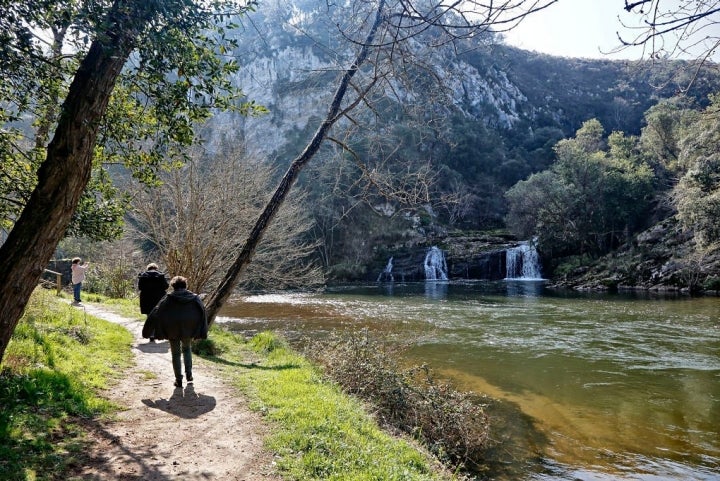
623, 386
525, 288
436, 290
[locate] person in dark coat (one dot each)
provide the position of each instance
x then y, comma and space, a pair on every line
152, 285
180, 317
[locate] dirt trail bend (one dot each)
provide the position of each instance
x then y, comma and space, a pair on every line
203, 431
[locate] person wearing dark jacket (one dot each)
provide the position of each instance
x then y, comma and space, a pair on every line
152, 285
180, 317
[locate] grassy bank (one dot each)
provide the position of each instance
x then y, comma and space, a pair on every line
59, 360
320, 433
54, 368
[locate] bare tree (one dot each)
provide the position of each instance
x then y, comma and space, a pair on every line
197, 218
380, 35
670, 29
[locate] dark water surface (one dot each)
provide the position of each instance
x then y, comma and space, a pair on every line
611, 387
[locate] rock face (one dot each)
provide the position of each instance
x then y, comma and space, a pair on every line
284, 69
467, 256
663, 258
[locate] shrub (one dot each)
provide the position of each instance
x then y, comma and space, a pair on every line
451, 424
266, 342
206, 347
712, 284
569, 265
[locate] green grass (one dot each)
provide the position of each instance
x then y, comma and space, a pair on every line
59, 359
57, 362
129, 308
319, 432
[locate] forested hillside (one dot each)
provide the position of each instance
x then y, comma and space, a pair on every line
455, 137
494, 118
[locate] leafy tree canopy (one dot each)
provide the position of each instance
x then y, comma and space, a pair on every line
177, 76
697, 194
596, 193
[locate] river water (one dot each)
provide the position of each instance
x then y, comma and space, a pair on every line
595, 386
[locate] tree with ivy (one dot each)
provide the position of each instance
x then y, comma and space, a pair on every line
88, 84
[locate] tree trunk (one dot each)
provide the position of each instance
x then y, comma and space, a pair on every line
66, 169
218, 297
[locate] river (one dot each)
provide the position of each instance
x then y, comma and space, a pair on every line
602, 387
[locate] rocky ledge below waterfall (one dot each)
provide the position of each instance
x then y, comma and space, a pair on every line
467, 256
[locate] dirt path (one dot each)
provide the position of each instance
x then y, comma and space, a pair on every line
203, 431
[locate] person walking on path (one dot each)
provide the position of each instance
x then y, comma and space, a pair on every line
78, 269
180, 317
152, 285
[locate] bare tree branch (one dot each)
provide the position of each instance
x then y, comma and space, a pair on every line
381, 31
671, 29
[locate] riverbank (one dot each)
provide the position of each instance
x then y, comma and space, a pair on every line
256, 411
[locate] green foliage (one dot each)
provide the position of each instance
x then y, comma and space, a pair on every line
712, 284
697, 195
666, 124
17, 176
177, 77
596, 194
267, 342
321, 433
100, 214
206, 347
570, 264
54, 367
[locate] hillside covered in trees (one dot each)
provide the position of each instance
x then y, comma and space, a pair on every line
470, 139
501, 131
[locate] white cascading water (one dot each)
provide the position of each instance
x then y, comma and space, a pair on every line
386, 275
523, 263
435, 265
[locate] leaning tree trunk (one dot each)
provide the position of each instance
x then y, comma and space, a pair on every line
66, 170
220, 295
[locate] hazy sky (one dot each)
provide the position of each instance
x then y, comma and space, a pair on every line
574, 28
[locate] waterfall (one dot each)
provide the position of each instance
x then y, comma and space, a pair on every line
435, 265
386, 275
522, 263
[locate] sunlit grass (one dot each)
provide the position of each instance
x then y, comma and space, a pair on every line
322, 434
147, 375
55, 365
59, 360
129, 308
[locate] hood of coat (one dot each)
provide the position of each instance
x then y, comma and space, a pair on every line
182, 295
151, 274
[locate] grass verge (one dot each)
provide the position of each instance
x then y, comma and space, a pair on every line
57, 362
59, 359
320, 432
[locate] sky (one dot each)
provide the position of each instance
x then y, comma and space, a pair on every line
574, 28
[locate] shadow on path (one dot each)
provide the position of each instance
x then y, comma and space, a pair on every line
184, 403
153, 347
136, 466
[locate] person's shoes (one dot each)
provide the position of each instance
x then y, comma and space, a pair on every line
178, 382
